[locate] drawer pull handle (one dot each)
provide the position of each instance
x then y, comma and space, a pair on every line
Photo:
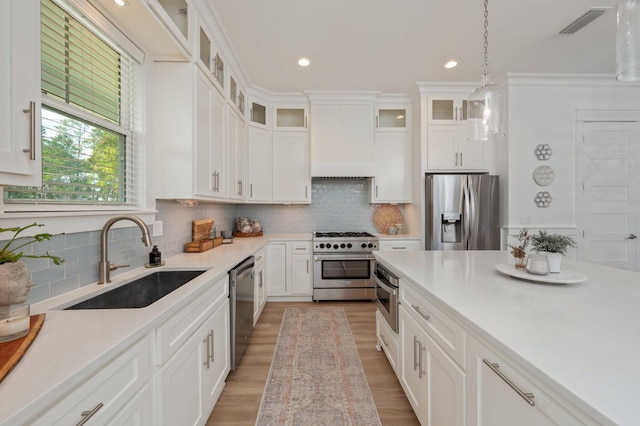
86, 415
384, 340
527, 396
415, 355
421, 372
417, 309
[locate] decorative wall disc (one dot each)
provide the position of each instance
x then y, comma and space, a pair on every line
543, 175
543, 151
543, 199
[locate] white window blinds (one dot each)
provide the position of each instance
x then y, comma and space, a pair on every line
88, 117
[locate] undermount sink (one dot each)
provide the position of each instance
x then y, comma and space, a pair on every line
140, 292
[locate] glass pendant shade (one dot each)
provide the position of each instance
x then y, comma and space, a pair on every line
628, 40
486, 112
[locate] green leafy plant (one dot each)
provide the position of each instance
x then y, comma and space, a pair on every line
520, 251
552, 243
10, 251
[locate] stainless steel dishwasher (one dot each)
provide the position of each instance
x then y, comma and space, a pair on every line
241, 292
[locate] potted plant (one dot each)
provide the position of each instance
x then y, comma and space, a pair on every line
555, 246
519, 251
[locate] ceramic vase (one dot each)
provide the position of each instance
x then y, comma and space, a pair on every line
555, 261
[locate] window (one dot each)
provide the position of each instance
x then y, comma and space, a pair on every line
88, 88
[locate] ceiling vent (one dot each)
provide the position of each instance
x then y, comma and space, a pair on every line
583, 21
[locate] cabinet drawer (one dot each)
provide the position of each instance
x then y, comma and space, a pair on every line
399, 244
105, 393
387, 341
172, 334
301, 247
259, 257
442, 328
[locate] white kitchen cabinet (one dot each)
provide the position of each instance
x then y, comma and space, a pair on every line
178, 17
434, 384
399, 244
447, 109
20, 144
260, 293
259, 113
291, 117
210, 177
289, 269
291, 178
208, 59
392, 181
236, 157
259, 165
387, 341
193, 357
236, 96
392, 118
342, 139
449, 149
116, 389
502, 394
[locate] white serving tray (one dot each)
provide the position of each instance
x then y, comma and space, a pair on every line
566, 277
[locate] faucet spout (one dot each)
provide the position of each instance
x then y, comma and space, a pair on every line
104, 266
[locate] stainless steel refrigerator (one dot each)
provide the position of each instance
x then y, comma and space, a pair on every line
462, 212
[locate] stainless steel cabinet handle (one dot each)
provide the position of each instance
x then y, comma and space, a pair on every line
455, 110
398, 248
415, 355
86, 415
206, 363
251, 190
417, 309
421, 372
631, 237
377, 122
376, 191
211, 343
384, 340
527, 396
32, 130
306, 193
307, 266
460, 159
456, 159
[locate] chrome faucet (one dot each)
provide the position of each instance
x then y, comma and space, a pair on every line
105, 267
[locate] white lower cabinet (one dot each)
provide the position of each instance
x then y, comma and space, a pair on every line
387, 341
195, 344
499, 393
289, 269
433, 382
118, 390
260, 290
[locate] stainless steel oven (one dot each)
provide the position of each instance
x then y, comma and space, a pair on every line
387, 297
343, 266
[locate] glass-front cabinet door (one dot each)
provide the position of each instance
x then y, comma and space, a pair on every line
392, 118
290, 117
205, 51
177, 16
259, 114
447, 109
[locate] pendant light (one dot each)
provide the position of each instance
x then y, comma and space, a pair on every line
486, 105
628, 40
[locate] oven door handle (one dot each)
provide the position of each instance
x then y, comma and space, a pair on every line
342, 257
385, 287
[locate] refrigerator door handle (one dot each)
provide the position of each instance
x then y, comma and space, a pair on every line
466, 213
473, 216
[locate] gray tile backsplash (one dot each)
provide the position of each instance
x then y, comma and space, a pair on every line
337, 205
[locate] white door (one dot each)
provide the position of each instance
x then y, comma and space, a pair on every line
608, 192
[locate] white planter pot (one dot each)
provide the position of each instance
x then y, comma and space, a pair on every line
555, 260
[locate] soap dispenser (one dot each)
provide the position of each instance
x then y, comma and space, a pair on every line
155, 257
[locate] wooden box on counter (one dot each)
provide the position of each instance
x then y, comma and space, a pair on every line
200, 240
202, 245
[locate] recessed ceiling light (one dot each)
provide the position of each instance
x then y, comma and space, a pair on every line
121, 2
304, 62
450, 64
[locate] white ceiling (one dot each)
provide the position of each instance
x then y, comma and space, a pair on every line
390, 45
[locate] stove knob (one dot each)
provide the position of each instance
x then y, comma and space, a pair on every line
370, 245
335, 246
363, 245
343, 245
321, 245
349, 245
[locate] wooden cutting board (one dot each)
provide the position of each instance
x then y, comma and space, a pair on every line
11, 352
200, 229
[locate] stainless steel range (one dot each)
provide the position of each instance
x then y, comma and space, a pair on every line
343, 265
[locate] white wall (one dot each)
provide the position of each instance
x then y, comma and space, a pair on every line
542, 109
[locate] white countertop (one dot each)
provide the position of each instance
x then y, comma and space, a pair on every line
583, 340
71, 343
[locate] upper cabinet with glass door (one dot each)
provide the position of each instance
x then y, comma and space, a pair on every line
294, 117
210, 61
392, 118
444, 109
178, 16
236, 96
259, 114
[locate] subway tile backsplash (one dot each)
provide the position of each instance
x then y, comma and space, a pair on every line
337, 205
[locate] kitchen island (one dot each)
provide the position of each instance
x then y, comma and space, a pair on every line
581, 341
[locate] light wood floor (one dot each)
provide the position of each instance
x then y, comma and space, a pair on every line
240, 399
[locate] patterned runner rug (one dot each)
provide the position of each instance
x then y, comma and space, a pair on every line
316, 375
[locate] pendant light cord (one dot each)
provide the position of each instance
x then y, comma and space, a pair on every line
485, 67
